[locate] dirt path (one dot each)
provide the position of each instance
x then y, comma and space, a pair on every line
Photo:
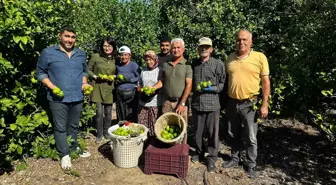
289, 153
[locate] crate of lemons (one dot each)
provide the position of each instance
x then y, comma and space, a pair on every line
171, 132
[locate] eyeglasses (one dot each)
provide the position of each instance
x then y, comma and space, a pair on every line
107, 46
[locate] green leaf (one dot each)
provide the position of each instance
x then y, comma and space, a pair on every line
13, 126
16, 39
20, 105
19, 149
2, 122
24, 40
21, 46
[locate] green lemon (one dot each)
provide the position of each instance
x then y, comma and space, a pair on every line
198, 88
121, 77
204, 84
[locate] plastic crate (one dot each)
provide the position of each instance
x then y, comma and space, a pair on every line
173, 160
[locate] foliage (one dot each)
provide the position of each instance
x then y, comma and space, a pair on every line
26, 27
297, 37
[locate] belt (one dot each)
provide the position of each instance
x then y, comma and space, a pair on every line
173, 99
247, 99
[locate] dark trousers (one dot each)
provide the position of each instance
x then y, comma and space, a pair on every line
210, 122
66, 121
103, 119
242, 125
127, 109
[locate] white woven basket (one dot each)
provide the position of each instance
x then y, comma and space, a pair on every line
127, 150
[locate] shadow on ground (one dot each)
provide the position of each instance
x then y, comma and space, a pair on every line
297, 150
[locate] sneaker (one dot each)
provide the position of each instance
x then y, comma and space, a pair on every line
66, 162
251, 173
83, 153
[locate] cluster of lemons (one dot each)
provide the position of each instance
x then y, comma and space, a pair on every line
148, 90
58, 92
121, 131
106, 77
88, 90
171, 132
203, 85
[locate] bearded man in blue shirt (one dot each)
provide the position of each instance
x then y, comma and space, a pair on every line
62, 69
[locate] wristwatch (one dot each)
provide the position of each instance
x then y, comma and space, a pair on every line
183, 104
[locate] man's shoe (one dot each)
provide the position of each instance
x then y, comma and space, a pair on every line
195, 158
230, 164
211, 166
107, 137
66, 162
83, 153
251, 173
99, 140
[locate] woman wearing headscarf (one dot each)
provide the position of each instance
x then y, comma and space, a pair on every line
101, 68
127, 80
150, 100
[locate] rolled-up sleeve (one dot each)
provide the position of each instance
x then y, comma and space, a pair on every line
42, 66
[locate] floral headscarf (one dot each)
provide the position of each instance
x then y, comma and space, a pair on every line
151, 54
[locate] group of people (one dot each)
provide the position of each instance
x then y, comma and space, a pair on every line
172, 79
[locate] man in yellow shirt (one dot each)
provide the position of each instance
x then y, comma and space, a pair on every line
245, 69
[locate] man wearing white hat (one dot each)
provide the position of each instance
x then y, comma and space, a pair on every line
208, 82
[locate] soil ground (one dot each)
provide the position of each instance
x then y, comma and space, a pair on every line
289, 152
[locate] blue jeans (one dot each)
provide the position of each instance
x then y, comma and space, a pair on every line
66, 118
243, 125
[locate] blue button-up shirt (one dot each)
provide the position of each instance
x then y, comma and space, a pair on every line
64, 72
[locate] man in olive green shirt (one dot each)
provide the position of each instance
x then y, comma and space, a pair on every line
176, 81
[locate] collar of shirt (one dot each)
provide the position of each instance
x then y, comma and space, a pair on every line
58, 47
205, 62
182, 62
244, 56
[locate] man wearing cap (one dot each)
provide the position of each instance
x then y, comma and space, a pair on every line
176, 81
245, 68
208, 82
127, 79
165, 55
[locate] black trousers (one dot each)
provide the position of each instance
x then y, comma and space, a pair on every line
210, 122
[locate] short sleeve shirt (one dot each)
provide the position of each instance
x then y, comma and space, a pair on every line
244, 75
174, 78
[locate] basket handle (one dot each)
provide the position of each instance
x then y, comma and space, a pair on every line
140, 140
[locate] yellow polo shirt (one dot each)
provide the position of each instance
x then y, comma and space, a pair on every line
244, 74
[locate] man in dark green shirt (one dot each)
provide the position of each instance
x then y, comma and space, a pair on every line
208, 82
176, 81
